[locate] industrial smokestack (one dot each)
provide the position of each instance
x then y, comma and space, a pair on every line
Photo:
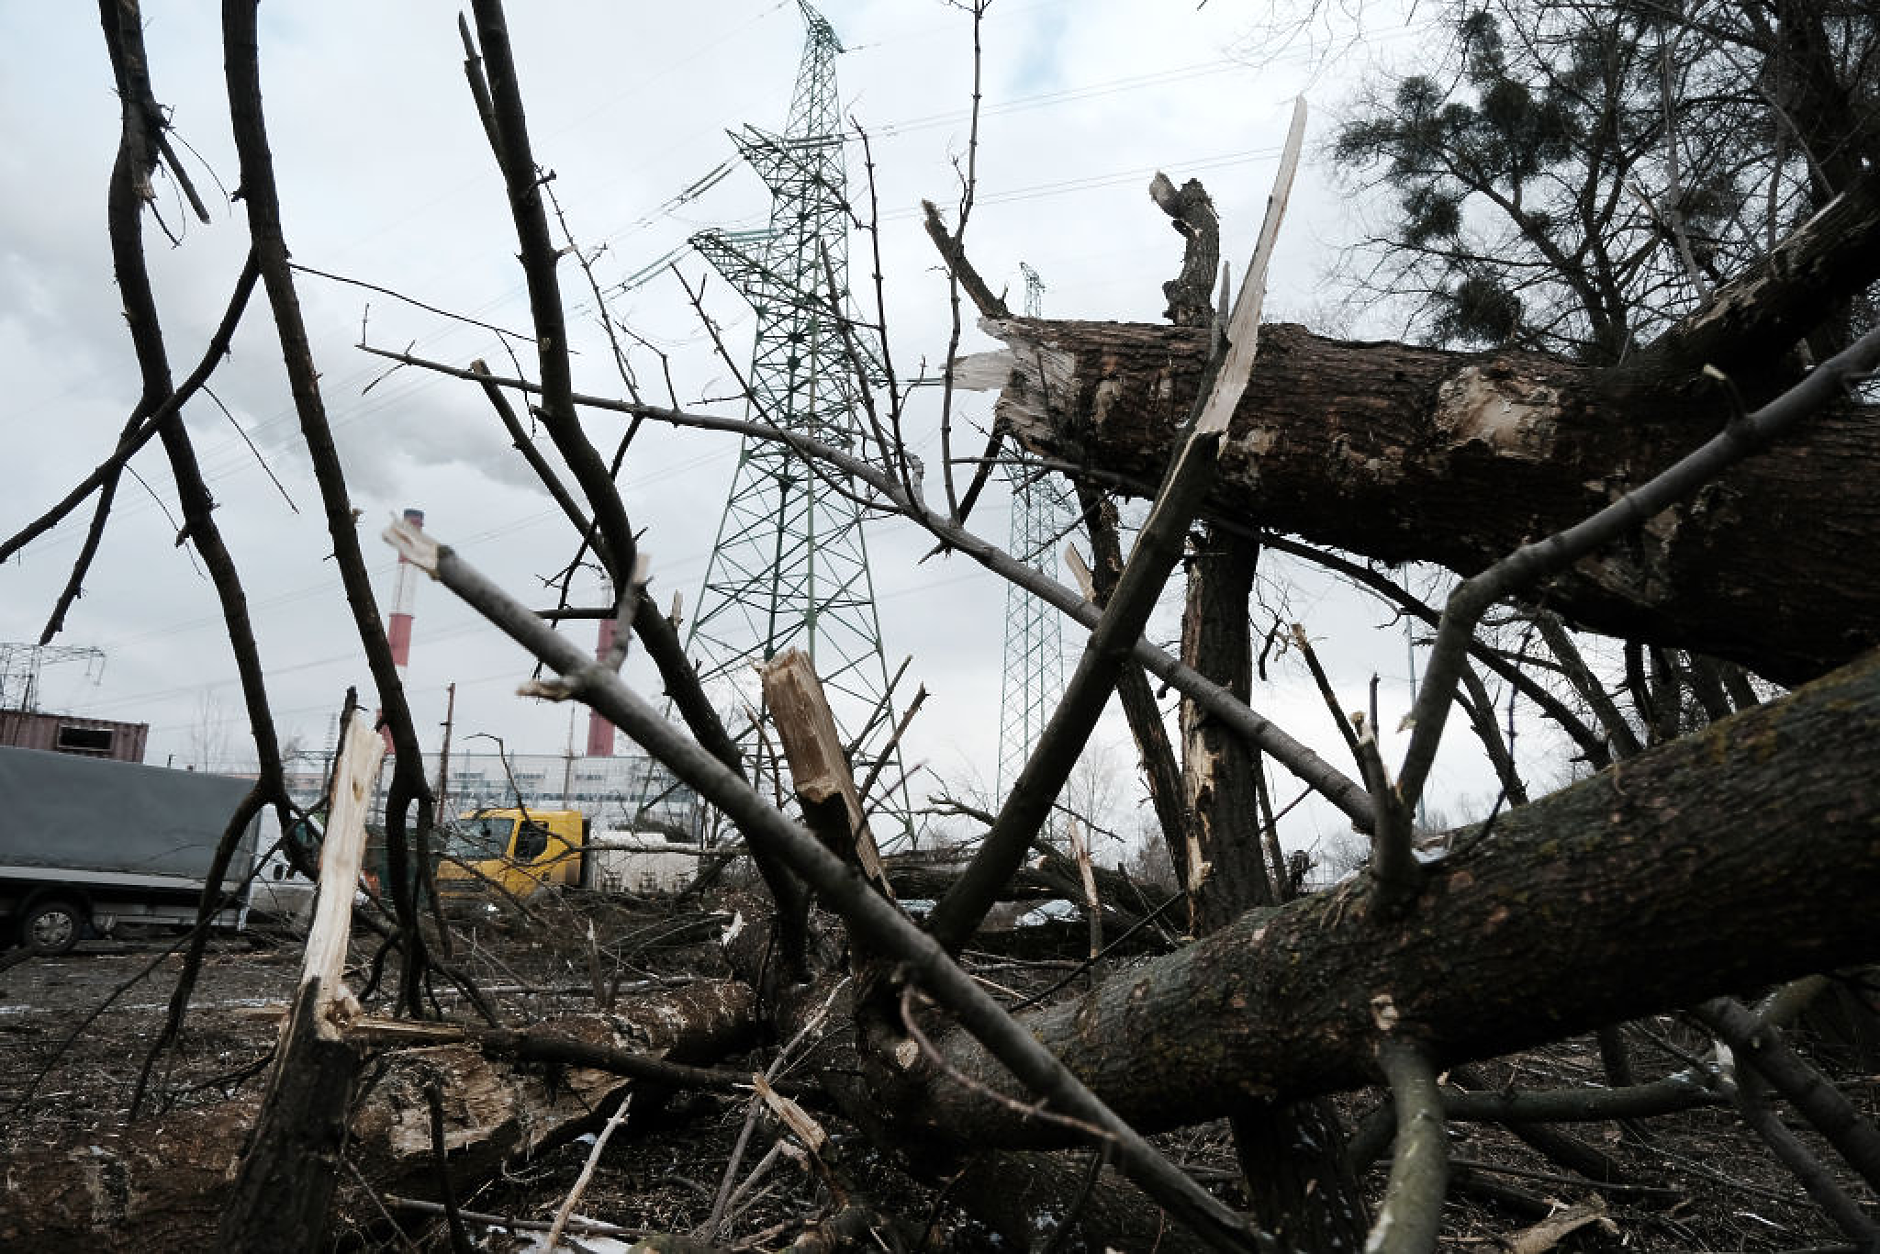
404, 593
398, 626
600, 741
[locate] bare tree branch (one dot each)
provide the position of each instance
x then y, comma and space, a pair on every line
1408, 1220
1760, 1045
261, 194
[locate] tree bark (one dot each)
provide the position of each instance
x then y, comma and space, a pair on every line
1291, 1153
1742, 855
1226, 864
1411, 454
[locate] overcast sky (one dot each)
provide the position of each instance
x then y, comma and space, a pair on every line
386, 177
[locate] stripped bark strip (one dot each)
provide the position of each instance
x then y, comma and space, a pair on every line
1080, 849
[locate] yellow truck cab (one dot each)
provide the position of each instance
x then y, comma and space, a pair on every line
493, 852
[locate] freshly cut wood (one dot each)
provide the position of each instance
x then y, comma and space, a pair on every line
342, 854
495, 1111
1086, 877
1414, 454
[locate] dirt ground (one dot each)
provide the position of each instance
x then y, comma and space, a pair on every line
74, 1033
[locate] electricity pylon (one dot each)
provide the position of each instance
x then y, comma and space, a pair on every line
1034, 647
790, 565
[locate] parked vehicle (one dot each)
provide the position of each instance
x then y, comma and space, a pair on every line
510, 852
494, 853
88, 843
638, 862
281, 894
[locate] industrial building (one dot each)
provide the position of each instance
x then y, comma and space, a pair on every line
68, 733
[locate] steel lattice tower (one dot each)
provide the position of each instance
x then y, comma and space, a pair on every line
790, 566
1034, 648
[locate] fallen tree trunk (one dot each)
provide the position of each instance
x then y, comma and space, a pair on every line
1741, 855
1055, 877
1413, 454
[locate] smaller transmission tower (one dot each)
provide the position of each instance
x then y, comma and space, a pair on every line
21, 663
1034, 645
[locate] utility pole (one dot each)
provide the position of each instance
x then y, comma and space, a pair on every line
443, 753
1034, 645
789, 567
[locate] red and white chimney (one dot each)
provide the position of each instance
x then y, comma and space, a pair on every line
404, 594
600, 741
398, 627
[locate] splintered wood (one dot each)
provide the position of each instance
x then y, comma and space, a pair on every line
819, 770
342, 852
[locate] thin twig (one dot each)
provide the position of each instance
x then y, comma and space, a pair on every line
592, 1227
409, 300
1340, 718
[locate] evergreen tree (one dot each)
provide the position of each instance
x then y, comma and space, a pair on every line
1579, 175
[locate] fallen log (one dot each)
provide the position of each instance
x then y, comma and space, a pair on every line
1406, 454
1053, 878
1740, 856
